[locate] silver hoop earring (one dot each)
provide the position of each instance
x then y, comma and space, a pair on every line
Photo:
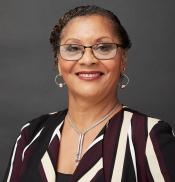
124, 81
59, 81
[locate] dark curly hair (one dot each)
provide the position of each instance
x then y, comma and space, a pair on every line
55, 35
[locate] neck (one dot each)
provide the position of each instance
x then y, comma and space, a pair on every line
85, 112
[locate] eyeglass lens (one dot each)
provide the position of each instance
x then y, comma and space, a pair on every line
100, 51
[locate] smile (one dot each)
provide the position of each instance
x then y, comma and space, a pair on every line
92, 75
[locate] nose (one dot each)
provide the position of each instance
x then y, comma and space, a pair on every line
88, 57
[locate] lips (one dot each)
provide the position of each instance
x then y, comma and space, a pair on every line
89, 75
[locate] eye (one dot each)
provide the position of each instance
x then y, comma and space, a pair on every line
104, 47
72, 48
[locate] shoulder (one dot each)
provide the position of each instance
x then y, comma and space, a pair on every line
150, 123
50, 120
154, 140
137, 113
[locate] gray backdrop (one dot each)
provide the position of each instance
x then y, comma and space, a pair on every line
27, 89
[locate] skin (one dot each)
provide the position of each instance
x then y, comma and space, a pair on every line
89, 100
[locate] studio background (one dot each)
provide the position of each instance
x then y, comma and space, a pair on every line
27, 88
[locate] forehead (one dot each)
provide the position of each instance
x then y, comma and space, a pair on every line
88, 28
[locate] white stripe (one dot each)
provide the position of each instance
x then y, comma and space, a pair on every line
151, 155
27, 124
92, 172
132, 150
48, 168
14, 151
95, 141
120, 155
56, 132
12, 159
151, 123
52, 113
124, 106
153, 162
36, 136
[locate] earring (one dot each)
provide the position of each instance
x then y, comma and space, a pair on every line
124, 81
59, 81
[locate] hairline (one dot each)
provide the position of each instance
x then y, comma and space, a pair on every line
104, 15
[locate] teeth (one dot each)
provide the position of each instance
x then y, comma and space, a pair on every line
89, 75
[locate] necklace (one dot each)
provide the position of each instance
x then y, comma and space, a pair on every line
82, 134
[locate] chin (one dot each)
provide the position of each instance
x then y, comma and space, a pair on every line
87, 92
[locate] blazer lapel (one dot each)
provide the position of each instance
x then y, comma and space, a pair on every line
49, 159
115, 145
110, 144
41, 163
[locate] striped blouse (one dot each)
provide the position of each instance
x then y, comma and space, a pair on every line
131, 148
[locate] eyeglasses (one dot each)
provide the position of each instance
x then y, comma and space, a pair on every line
102, 51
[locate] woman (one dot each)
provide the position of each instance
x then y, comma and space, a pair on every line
96, 138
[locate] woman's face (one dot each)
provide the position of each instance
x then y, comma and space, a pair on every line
90, 77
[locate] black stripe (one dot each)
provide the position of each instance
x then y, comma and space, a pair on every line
164, 146
128, 168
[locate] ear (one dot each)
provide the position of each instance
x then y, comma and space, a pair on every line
124, 61
58, 65
59, 68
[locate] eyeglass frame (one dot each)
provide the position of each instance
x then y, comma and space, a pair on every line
84, 47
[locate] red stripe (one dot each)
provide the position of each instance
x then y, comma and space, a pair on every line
110, 144
42, 173
89, 159
53, 150
139, 136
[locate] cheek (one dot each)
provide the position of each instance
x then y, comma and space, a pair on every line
65, 67
114, 66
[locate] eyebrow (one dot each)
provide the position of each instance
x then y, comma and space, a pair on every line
72, 39
101, 38
97, 40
